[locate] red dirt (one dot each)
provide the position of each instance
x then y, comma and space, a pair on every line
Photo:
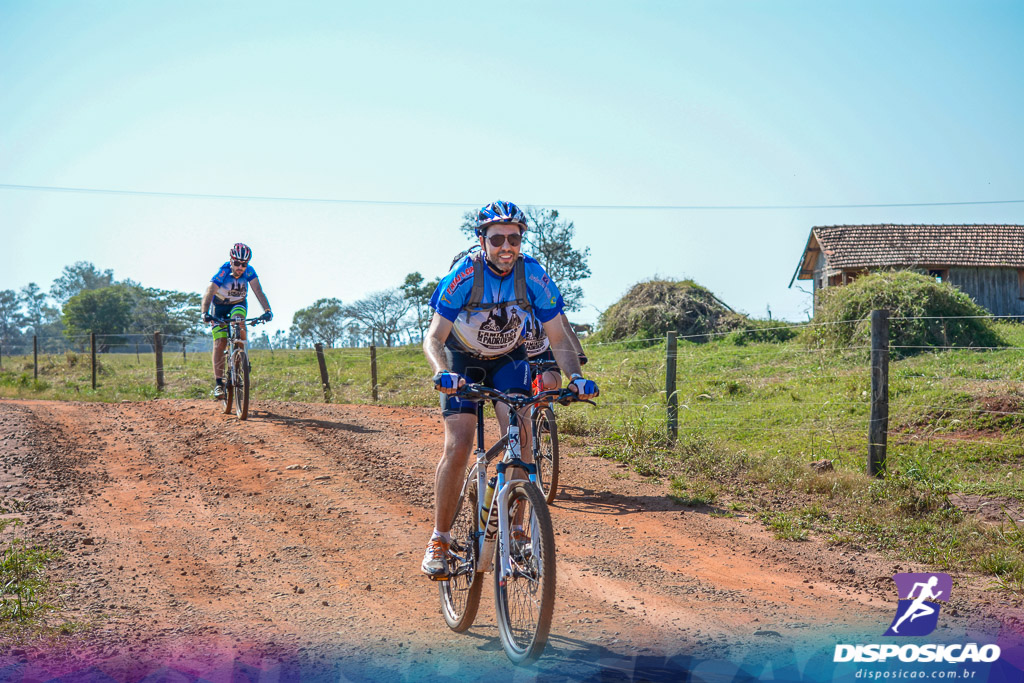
195, 541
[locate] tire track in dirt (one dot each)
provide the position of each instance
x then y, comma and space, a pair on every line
299, 533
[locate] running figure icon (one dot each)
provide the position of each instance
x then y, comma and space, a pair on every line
918, 608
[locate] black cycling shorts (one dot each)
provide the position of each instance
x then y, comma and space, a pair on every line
509, 373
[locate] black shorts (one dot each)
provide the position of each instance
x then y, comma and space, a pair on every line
509, 373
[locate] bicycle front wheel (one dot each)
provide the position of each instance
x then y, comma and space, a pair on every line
525, 599
241, 373
460, 594
545, 431
227, 401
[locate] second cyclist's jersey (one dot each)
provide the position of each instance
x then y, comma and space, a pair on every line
535, 339
229, 289
499, 329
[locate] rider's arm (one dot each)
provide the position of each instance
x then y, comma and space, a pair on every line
208, 296
433, 342
571, 335
258, 291
561, 346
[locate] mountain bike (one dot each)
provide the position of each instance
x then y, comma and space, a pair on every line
237, 366
506, 531
545, 435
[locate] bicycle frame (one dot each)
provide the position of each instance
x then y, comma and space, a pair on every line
236, 365
498, 527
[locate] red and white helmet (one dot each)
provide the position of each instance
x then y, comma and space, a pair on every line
240, 252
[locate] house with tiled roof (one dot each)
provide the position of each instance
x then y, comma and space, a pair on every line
985, 261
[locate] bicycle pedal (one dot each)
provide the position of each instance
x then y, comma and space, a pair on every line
439, 578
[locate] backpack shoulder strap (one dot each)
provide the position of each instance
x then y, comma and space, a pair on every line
519, 275
476, 294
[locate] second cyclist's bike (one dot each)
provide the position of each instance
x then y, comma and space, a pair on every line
502, 525
545, 434
237, 366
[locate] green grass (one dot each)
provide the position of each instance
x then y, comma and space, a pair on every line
752, 416
23, 581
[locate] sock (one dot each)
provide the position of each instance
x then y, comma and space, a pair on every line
220, 381
445, 536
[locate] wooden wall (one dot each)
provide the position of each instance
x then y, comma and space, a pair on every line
996, 289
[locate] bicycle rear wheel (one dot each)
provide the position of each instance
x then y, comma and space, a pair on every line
241, 376
525, 600
545, 431
460, 594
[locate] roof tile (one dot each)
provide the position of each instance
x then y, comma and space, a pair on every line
882, 246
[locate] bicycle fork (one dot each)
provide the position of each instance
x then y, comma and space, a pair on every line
499, 526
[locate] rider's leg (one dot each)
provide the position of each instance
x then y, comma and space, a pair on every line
239, 311
552, 380
448, 478
451, 469
218, 357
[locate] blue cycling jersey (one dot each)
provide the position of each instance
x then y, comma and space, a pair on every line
229, 289
497, 331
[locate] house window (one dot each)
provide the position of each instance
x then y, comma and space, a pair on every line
1020, 283
939, 275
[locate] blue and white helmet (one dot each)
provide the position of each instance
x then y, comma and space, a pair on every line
499, 212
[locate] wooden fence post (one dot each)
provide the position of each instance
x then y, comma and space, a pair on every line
878, 430
92, 355
373, 371
325, 380
158, 348
35, 357
184, 358
671, 394
1, 356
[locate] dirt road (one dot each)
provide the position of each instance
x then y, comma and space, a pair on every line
288, 546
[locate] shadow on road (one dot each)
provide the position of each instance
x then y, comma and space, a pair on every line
308, 422
607, 503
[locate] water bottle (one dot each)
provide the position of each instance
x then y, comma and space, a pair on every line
488, 497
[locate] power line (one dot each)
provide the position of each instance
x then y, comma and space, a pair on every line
384, 202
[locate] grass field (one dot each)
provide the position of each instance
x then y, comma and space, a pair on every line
752, 419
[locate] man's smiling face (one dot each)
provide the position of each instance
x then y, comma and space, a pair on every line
503, 243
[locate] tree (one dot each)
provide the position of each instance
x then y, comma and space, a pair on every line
11, 319
106, 311
168, 311
382, 314
34, 301
322, 322
550, 239
418, 293
78, 278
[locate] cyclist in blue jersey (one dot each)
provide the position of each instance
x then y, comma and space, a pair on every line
475, 335
227, 292
538, 348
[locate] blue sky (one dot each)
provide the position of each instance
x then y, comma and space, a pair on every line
571, 104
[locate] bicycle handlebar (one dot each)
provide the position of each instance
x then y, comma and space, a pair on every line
543, 365
481, 392
248, 321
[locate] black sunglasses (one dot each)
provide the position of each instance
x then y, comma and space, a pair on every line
496, 241
239, 263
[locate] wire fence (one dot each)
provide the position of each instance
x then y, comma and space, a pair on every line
788, 394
